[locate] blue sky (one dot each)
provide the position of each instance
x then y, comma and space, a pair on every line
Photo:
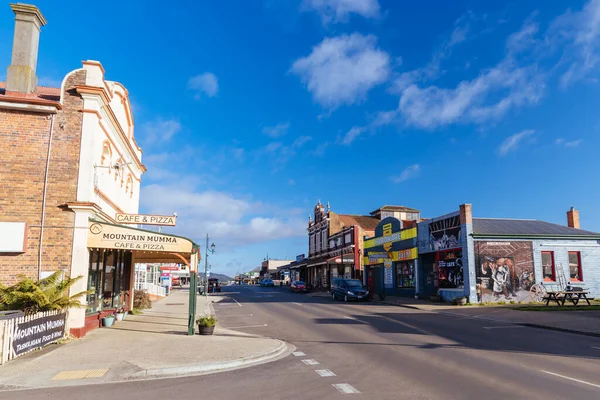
250, 111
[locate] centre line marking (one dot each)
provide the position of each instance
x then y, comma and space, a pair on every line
569, 378
298, 304
245, 326
594, 347
310, 362
298, 353
501, 327
324, 373
344, 388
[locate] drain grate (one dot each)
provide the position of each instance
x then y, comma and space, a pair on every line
80, 374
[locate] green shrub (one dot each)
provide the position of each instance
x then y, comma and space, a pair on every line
141, 300
206, 320
51, 293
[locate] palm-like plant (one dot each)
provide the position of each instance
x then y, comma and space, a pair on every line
51, 293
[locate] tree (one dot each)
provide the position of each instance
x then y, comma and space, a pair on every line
51, 293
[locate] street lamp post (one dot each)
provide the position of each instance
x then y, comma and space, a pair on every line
211, 250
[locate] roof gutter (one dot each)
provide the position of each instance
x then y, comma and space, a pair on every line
529, 236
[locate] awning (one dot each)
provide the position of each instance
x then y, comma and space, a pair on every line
146, 246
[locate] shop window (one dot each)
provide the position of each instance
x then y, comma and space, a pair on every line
450, 270
548, 270
575, 266
406, 274
109, 277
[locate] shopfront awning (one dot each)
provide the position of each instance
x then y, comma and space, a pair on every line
146, 246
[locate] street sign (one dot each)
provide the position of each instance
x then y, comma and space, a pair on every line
145, 219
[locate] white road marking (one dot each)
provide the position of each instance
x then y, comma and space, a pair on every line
569, 378
245, 326
594, 347
501, 327
310, 362
344, 388
237, 302
224, 304
324, 373
357, 320
298, 353
298, 304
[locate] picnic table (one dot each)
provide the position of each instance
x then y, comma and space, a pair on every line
560, 297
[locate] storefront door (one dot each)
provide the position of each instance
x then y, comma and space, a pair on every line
427, 278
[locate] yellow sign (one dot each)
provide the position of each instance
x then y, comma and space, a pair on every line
381, 257
391, 238
143, 219
108, 236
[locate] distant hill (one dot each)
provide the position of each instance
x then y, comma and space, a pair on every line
220, 277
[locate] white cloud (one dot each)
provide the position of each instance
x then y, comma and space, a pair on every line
340, 10
511, 143
273, 146
352, 134
158, 131
301, 141
204, 84
237, 221
573, 143
409, 172
578, 34
291, 182
277, 130
341, 70
487, 97
320, 149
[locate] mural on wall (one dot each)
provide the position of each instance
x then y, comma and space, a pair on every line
443, 235
450, 270
505, 270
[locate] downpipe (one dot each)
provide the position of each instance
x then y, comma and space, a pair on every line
44, 198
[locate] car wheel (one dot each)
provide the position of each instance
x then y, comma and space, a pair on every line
346, 298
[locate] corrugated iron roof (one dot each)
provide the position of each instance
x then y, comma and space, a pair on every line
492, 226
365, 222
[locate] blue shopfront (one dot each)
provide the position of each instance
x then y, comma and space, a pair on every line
390, 258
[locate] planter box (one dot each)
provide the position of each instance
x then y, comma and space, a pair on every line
206, 330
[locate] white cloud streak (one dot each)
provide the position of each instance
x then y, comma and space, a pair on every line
512, 143
336, 11
342, 70
352, 135
276, 131
158, 131
409, 172
205, 84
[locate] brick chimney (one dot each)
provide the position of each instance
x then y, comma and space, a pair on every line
466, 214
573, 218
21, 72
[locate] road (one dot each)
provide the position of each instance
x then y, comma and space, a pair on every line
377, 351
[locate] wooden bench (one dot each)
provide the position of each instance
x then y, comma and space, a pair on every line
561, 297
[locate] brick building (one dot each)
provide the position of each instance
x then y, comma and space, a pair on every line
69, 165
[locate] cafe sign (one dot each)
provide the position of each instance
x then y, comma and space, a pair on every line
38, 332
144, 219
108, 236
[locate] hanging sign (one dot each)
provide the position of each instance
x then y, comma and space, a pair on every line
144, 219
108, 236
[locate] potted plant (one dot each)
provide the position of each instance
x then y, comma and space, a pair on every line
108, 320
120, 312
460, 301
206, 324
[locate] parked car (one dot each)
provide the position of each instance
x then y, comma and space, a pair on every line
267, 283
214, 285
348, 289
298, 287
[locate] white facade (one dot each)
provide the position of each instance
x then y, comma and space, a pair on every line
110, 166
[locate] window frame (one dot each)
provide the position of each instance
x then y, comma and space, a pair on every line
553, 265
579, 266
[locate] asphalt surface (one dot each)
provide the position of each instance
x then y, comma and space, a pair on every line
380, 351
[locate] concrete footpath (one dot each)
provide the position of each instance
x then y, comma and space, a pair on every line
151, 345
578, 321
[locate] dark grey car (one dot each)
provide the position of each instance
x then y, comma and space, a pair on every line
348, 289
